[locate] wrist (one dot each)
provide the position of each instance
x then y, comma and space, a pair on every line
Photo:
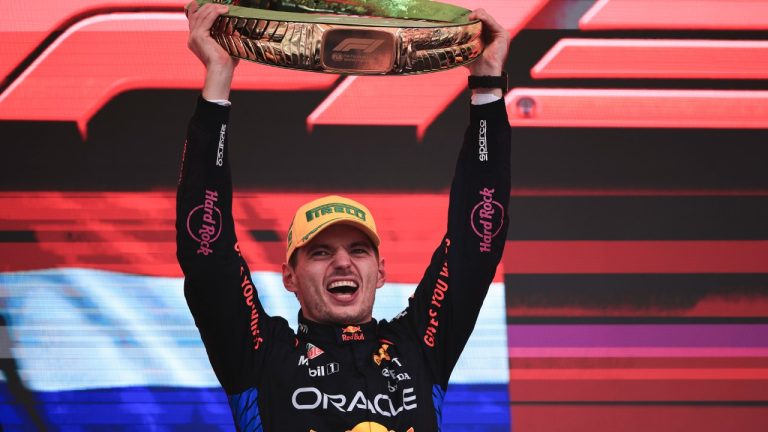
489, 91
478, 69
218, 81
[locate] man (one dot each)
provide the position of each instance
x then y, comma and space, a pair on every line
343, 370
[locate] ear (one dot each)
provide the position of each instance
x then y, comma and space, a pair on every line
289, 278
382, 274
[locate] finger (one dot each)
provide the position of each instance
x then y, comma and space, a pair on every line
479, 14
202, 12
190, 8
489, 22
208, 20
195, 12
203, 19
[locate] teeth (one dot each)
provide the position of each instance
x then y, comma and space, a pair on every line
338, 284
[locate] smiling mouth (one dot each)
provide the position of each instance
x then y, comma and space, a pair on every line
342, 287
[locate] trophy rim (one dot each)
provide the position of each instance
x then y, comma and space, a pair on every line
392, 21
297, 40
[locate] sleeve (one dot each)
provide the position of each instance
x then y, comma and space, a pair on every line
217, 285
447, 301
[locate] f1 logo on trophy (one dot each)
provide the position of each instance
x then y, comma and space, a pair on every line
357, 37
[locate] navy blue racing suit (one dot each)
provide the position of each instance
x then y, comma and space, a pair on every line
380, 376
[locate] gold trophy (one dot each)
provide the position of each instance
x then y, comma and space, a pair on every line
357, 37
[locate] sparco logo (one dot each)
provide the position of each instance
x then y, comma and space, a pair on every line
487, 219
482, 142
309, 398
204, 222
220, 150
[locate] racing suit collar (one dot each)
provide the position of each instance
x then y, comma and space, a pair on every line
342, 334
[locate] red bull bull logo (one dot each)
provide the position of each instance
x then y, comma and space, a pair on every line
352, 333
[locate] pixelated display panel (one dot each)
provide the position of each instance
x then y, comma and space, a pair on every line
654, 58
24, 28
638, 108
102, 56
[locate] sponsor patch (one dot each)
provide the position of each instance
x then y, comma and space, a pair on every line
249, 293
313, 351
487, 219
331, 208
381, 354
482, 142
204, 223
323, 370
352, 333
220, 149
311, 398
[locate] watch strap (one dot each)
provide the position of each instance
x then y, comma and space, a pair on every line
492, 82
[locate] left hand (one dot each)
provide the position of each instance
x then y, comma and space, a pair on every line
219, 66
496, 38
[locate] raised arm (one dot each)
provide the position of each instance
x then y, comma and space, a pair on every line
217, 285
445, 306
219, 66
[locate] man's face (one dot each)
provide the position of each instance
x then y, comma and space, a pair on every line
336, 276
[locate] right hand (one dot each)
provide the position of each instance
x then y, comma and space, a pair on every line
218, 64
496, 37
200, 42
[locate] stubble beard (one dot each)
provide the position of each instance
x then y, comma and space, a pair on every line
325, 314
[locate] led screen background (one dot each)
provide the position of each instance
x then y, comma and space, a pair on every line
633, 293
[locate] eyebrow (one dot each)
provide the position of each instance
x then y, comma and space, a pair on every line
358, 243
364, 243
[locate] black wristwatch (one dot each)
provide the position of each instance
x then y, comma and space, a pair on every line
492, 82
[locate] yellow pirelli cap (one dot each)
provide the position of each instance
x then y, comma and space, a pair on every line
315, 216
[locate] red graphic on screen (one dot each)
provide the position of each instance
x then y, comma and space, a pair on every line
24, 28
727, 256
727, 109
654, 58
133, 232
103, 56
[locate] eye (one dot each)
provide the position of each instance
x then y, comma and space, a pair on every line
319, 253
360, 251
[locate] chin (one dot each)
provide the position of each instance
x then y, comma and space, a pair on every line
348, 317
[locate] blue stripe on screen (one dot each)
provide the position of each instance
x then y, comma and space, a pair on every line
472, 408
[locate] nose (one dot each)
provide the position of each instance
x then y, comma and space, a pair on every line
342, 259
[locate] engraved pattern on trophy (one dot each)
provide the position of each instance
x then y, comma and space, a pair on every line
360, 37
432, 50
